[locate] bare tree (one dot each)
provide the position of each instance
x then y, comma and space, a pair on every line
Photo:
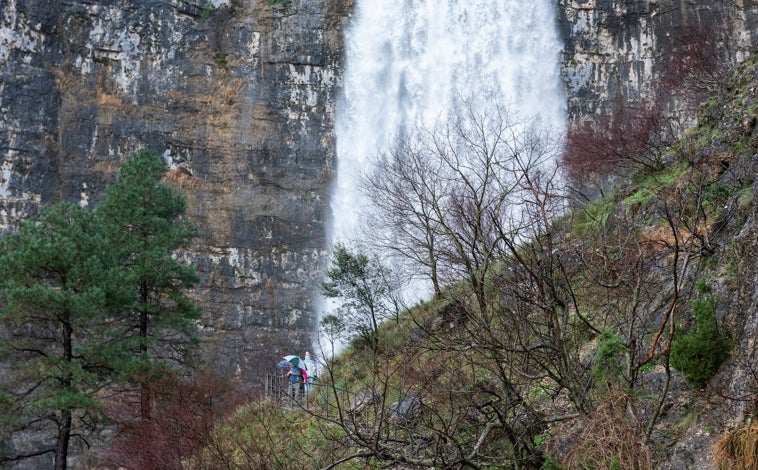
404, 186
463, 195
442, 191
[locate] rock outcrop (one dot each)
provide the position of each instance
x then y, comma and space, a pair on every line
620, 49
237, 96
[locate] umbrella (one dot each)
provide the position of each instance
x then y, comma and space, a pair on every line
282, 364
296, 361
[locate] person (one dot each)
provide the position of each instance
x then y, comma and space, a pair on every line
296, 378
312, 368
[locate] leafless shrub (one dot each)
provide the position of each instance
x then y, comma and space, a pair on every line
636, 136
184, 416
612, 437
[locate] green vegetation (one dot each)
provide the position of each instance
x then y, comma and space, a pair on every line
362, 286
220, 58
90, 299
594, 215
608, 364
57, 278
652, 184
145, 226
699, 353
208, 11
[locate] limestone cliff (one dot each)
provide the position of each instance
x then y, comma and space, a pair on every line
237, 95
618, 49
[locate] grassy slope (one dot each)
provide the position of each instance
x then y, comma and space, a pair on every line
706, 188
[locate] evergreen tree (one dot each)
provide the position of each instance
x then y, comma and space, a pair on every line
362, 286
144, 221
87, 298
56, 343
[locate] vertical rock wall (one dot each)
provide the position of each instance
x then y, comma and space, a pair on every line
237, 95
620, 48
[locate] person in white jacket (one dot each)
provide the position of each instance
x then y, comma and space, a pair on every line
312, 368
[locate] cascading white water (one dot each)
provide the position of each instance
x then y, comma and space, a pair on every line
406, 60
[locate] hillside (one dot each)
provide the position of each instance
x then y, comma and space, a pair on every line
622, 335
240, 98
621, 338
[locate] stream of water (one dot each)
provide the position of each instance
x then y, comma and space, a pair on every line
407, 60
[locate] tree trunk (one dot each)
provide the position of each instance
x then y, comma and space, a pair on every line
61, 444
64, 426
143, 324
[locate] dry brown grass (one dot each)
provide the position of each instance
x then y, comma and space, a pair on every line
737, 449
660, 239
612, 437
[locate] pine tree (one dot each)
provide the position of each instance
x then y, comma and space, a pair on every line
88, 298
144, 220
361, 285
56, 341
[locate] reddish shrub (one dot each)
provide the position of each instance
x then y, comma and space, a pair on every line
635, 136
182, 419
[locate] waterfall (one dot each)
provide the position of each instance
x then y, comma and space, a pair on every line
406, 60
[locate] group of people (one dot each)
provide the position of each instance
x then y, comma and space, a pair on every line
302, 375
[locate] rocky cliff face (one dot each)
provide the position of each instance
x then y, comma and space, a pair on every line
238, 96
620, 48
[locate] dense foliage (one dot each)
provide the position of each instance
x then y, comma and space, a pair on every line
699, 353
362, 288
143, 219
57, 344
89, 299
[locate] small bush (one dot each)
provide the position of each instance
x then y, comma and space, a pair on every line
220, 57
699, 353
609, 358
550, 464
208, 11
